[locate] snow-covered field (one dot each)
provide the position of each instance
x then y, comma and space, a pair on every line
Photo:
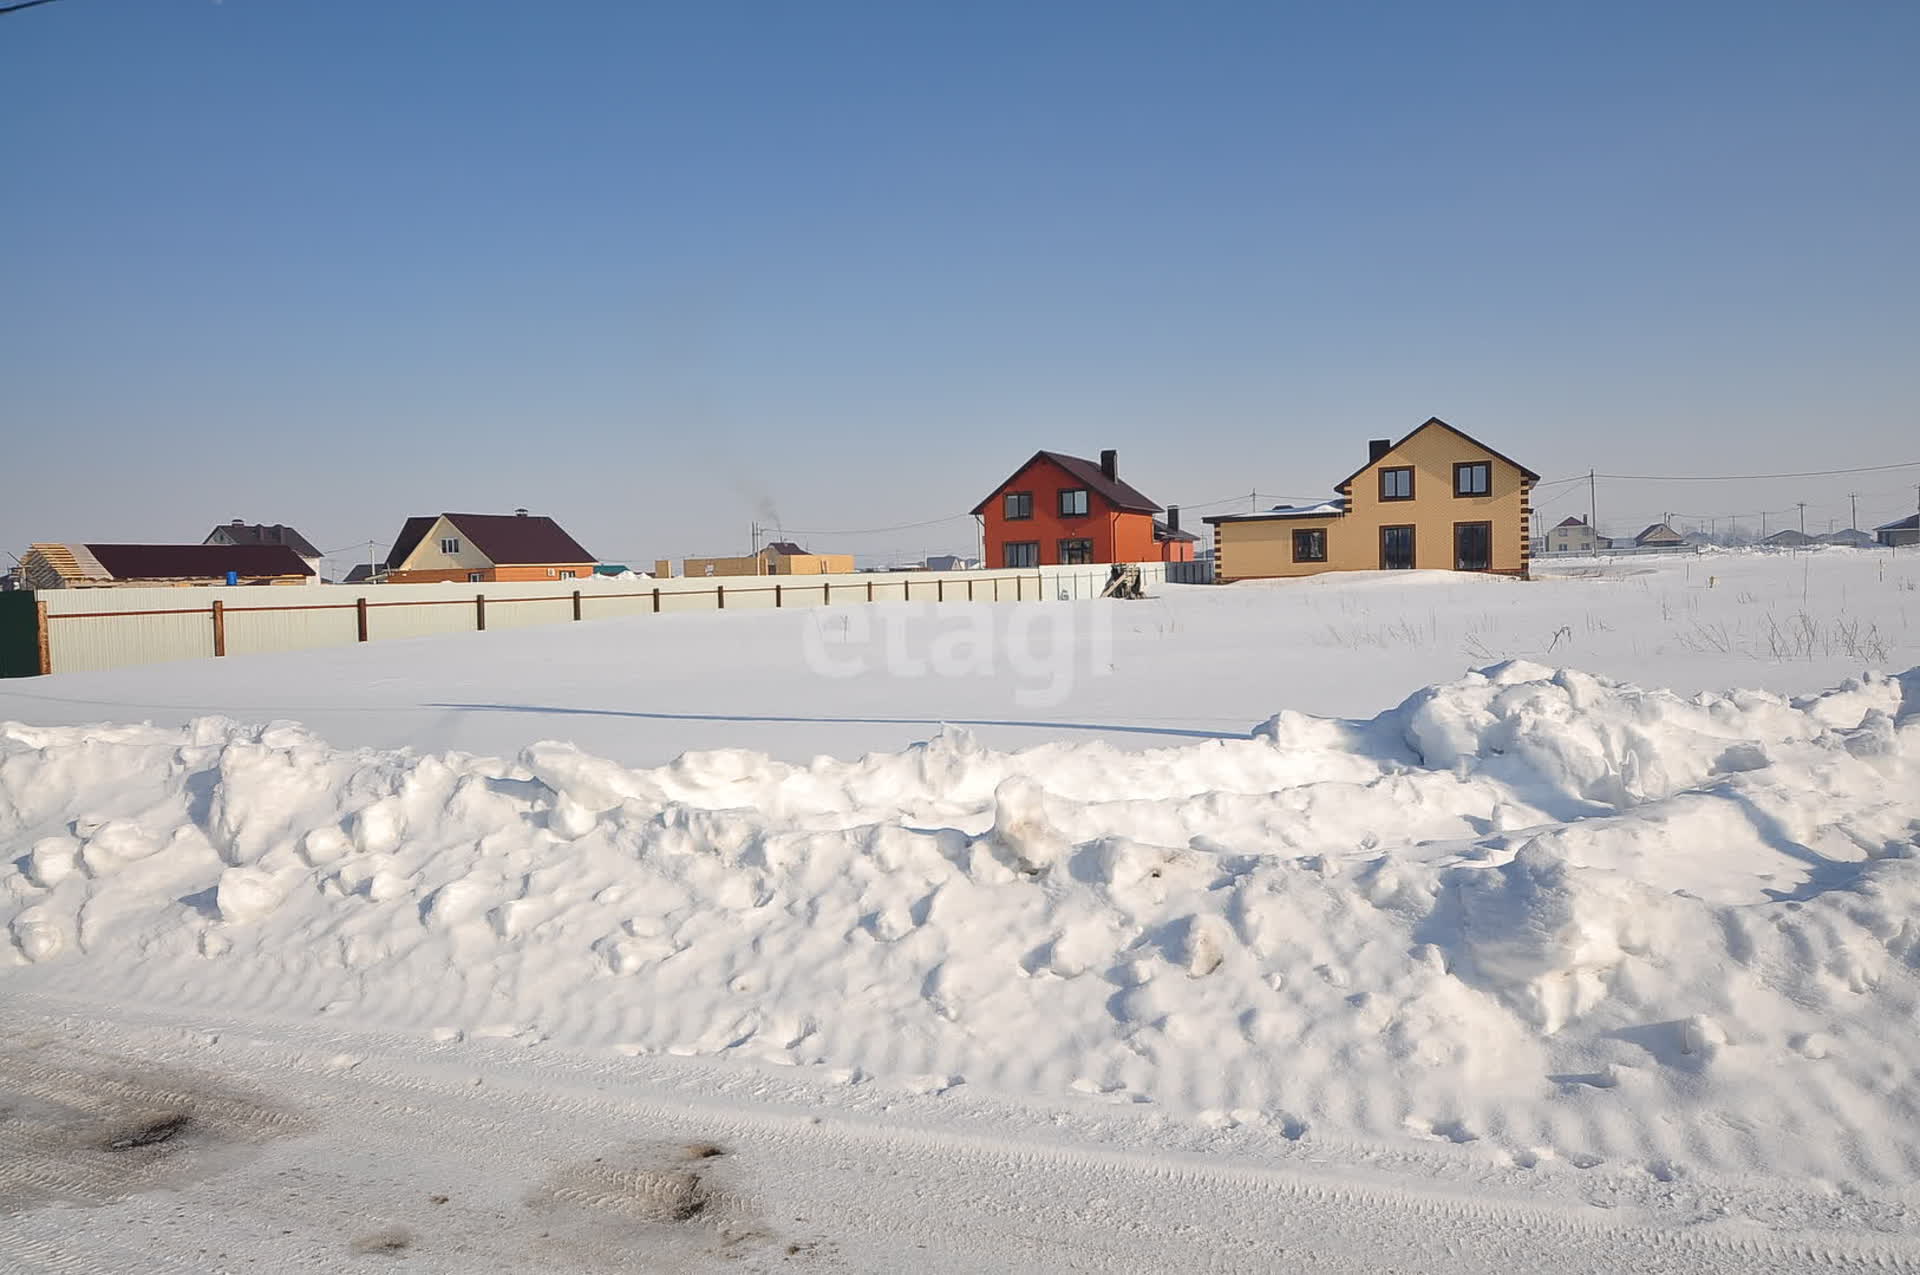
1380, 922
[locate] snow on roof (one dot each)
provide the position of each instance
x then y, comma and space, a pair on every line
1325, 509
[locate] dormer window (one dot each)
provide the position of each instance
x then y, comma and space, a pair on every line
1073, 502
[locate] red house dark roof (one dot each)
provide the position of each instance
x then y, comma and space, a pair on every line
506, 539
197, 562
1118, 494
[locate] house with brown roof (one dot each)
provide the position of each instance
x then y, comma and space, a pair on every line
1572, 535
1438, 499
1659, 536
1058, 509
96, 566
485, 548
780, 558
238, 532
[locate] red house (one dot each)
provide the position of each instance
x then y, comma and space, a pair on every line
1059, 509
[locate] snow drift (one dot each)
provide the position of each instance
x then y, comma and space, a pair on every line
1532, 909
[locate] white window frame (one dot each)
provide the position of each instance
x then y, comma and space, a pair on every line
450, 545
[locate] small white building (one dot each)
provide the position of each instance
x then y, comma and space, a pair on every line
1573, 535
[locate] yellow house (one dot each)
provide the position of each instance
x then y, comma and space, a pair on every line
1437, 499
781, 558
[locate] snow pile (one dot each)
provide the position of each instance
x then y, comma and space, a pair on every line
1533, 908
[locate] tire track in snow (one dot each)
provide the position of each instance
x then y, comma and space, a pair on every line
998, 1198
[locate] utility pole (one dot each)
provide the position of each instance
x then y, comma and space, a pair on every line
1853, 498
1763, 524
1801, 505
1593, 509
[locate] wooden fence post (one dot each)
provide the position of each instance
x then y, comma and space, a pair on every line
576, 604
969, 588
720, 596
656, 599
360, 617
826, 593
939, 590
219, 628
45, 638
776, 597
480, 612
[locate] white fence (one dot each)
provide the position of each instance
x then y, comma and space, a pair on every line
84, 629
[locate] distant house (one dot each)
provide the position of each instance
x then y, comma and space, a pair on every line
1903, 531
1789, 539
1175, 545
1573, 535
263, 533
366, 573
1659, 536
1437, 499
1059, 510
96, 566
485, 548
949, 562
781, 558
1852, 538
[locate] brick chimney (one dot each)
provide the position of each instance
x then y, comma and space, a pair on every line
1378, 447
1110, 464
1173, 518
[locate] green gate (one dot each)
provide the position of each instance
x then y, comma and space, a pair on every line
19, 634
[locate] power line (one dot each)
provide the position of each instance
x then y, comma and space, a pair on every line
1741, 478
871, 531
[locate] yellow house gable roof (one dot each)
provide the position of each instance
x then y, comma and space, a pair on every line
1345, 486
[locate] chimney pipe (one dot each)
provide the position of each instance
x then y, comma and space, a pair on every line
1173, 518
1110, 464
1378, 447
519, 513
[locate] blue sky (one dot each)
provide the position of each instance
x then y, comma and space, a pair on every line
663, 269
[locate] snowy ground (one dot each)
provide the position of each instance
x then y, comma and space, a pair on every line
1141, 964
1194, 662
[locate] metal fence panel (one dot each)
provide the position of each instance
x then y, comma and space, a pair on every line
108, 628
250, 631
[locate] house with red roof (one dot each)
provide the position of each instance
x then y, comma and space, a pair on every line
1059, 510
485, 548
